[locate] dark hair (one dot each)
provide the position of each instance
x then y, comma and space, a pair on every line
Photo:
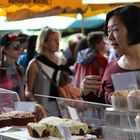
3, 69
31, 48
82, 44
130, 16
94, 38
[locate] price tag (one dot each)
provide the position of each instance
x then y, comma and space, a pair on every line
64, 131
25, 106
7, 109
125, 81
73, 113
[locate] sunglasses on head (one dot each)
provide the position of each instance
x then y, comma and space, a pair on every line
15, 47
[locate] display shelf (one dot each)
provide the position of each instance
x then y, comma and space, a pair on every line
120, 125
24, 135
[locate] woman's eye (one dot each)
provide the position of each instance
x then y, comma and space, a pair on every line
115, 30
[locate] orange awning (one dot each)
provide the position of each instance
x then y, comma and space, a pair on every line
24, 9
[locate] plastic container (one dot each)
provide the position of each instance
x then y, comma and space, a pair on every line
133, 103
137, 121
119, 102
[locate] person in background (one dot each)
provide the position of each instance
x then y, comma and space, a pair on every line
11, 73
43, 71
91, 60
123, 30
81, 45
69, 53
23, 38
112, 54
30, 53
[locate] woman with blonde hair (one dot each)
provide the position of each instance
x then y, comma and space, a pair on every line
43, 71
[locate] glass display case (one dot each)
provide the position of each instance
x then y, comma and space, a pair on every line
121, 125
87, 112
7, 100
103, 121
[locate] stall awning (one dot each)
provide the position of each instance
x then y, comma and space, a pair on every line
25, 9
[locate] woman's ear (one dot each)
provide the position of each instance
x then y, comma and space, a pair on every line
45, 45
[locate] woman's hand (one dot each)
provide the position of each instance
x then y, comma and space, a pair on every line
90, 83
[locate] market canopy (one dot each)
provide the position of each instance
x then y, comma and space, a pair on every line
108, 1
24, 9
61, 23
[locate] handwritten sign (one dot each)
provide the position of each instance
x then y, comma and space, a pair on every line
29, 1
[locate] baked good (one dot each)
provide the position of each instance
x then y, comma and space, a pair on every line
134, 93
134, 100
5, 121
37, 130
119, 100
20, 118
40, 112
75, 127
123, 93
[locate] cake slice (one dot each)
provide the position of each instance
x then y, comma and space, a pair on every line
5, 121
75, 127
21, 118
37, 130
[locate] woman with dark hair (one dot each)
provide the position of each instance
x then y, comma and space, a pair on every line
26, 57
123, 30
11, 73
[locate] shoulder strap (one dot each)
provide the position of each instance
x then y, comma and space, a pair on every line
39, 66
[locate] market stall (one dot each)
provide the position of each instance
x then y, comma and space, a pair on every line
105, 122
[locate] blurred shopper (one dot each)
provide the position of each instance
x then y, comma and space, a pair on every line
25, 58
69, 53
23, 38
91, 61
81, 45
11, 73
112, 54
123, 30
43, 72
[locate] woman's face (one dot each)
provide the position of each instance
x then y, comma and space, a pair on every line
52, 43
117, 34
13, 50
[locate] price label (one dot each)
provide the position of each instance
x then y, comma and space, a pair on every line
73, 113
64, 131
25, 106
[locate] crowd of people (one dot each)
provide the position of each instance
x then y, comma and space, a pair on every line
30, 64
